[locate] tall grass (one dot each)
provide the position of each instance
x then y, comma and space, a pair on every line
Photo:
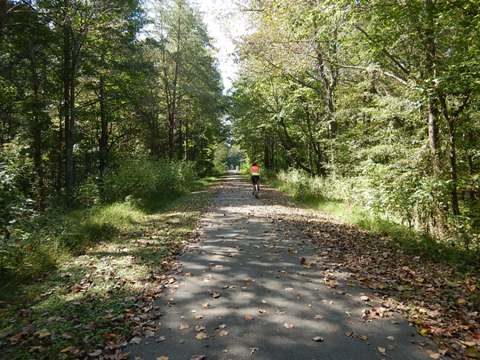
140, 179
355, 201
40, 243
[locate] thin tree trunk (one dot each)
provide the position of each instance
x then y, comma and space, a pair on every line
171, 136
103, 140
452, 154
186, 140
68, 98
453, 167
432, 113
59, 153
433, 135
37, 139
3, 15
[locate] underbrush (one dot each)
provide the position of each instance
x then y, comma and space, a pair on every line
40, 242
54, 238
98, 301
355, 202
140, 179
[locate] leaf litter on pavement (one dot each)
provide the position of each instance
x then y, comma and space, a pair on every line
442, 303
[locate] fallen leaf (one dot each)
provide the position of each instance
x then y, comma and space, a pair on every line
248, 317
461, 301
95, 353
424, 331
41, 334
288, 325
16, 338
201, 336
199, 357
71, 350
364, 298
381, 350
136, 340
162, 358
391, 338
433, 354
349, 333
318, 339
200, 328
223, 333
184, 326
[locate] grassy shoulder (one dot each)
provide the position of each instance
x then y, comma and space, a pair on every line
92, 298
407, 239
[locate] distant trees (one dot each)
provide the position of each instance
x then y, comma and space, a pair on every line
83, 86
384, 92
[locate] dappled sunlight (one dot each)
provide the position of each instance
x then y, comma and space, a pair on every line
106, 290
243, 291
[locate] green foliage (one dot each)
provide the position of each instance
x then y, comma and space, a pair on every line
36, 244
380, 110
141, 179
114, 270
227, 157
406, 200
42, 243
346, 200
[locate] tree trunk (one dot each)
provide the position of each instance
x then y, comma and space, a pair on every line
171, 136
103, 140
433, 135
68, 98
3, 15
431, 72
453, 166
432, 113
186, 155
37, 140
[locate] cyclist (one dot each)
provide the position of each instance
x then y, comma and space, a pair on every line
255, 173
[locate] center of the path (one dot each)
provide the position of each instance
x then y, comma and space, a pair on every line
245, 292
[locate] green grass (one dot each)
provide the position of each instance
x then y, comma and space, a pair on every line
411, 241
56, 237
100, 275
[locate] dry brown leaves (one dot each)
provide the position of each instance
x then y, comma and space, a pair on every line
440, 303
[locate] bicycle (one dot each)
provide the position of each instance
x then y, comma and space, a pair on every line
256, 190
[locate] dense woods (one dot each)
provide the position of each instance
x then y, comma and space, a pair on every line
114, 123
374, 103
100, 100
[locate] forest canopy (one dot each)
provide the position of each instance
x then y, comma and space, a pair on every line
101, 100
375, 103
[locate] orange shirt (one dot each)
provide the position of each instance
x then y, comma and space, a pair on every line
255, 170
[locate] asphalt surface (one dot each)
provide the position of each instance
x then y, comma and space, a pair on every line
244, 293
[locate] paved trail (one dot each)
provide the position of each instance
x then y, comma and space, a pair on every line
244, 294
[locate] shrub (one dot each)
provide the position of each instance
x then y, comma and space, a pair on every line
141, 179
387, 194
